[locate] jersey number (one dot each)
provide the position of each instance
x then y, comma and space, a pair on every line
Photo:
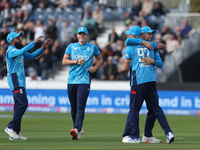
142, 52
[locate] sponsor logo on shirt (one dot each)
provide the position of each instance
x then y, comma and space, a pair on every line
14, 50
80, 56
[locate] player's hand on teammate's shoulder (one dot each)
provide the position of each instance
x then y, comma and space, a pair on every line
46, 43
148, 45
38, 39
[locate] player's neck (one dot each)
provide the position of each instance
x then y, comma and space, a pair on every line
82, 43
12, 44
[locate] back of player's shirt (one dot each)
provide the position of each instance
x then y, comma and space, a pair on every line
79, 74
140, 73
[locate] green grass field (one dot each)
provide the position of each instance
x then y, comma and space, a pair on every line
50, 131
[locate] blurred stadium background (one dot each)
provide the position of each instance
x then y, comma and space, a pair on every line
177, 24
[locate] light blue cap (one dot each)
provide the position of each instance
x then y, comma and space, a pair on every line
13, 35
82, 29
147, 29
134, 30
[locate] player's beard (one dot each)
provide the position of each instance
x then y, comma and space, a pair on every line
19, 45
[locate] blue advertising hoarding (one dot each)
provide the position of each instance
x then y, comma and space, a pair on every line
104, 101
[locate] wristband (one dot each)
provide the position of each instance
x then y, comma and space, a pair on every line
77, 61
43, 47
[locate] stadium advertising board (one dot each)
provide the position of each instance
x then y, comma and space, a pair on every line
99, 101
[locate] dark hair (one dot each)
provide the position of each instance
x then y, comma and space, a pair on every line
19, 45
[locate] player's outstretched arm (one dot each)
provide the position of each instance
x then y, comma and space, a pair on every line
47, 43
38, 39
161, 46
133, 41
37, 53
24, 50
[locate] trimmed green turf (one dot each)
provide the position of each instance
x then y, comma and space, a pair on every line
50, 131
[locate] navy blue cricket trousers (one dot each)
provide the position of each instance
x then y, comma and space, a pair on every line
20, 106
139, 93
78, 94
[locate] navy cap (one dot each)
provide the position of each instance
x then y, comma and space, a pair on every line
13, 35
134, 30
147, 29
82, 29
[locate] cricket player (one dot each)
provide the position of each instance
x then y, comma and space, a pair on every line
143, 87
16, 79
80, 58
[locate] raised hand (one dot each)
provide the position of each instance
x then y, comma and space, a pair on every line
38, 39
46, 43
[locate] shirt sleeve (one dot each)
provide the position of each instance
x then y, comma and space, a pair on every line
133, 41
158, 61
96, 51
33, 55
128, 53
68, 50
16, 52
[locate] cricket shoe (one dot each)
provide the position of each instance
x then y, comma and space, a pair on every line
76, 135
130, 140
170, 137
20, 138
12, 134
73, 133
80, 133
150, 140
125, 138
